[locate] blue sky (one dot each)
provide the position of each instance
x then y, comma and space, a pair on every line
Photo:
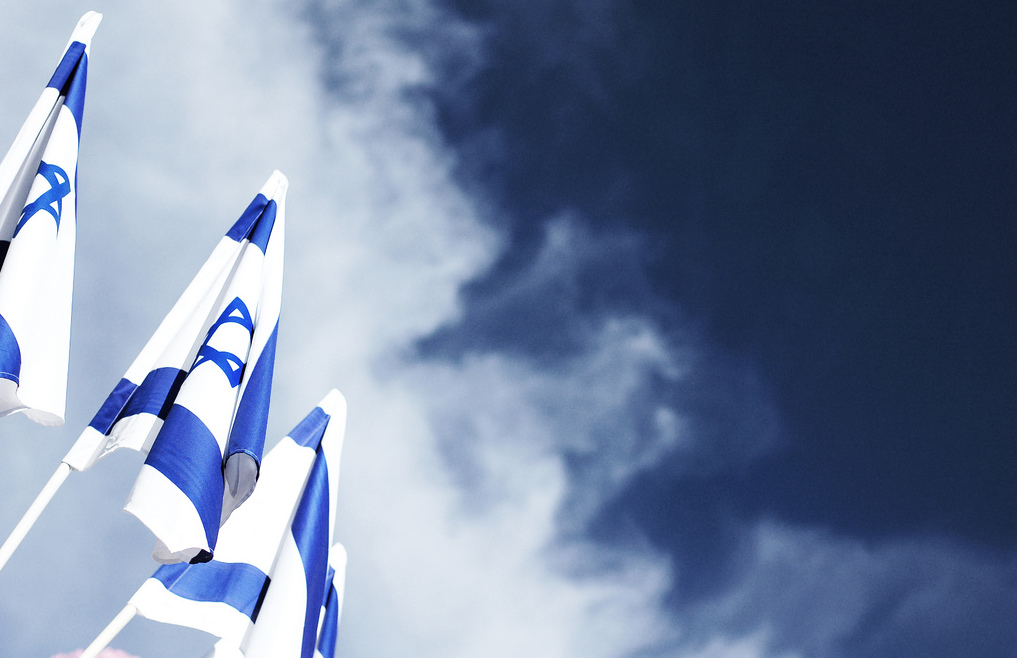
822, 195
666, 329
825, 196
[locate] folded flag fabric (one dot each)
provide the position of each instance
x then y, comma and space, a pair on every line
38, 206
331, 610
196, 398
294, 612
265, 589
265, 638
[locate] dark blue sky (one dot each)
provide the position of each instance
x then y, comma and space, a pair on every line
825, 193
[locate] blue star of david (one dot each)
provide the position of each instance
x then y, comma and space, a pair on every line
231, 364
50, 201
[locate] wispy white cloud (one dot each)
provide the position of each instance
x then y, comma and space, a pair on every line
818, 594
189, 108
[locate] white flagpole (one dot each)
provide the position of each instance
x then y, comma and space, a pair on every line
32, 515
110, 632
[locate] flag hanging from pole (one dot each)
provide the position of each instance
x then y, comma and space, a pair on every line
196, 398
38, 204
266, 587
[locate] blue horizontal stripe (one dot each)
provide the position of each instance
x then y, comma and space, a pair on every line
256, 222
10, 353
262, 230
239, 585
156, 393
329, 579
75, 96
188, 455
109, 412
251, 421
66, 67
70, 78
330, 623
242, 227
309, 431
329, 626
154, 396
310, 532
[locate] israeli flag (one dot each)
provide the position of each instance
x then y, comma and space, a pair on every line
295, 614
38, 202
264, 592
196, 399
263, 637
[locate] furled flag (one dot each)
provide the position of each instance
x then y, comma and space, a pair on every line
267, 588
38, 202
300, 614
196, 399
268, 638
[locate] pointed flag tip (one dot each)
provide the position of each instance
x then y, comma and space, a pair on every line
337, 557
334, 404
86, 27
276, 185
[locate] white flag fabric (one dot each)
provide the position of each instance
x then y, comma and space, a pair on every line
196, 398
38, 203
264, 590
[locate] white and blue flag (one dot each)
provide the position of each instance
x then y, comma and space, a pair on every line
196, 399
264, 638
296, 613
38, 202
268, 589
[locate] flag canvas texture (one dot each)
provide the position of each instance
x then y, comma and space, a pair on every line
196, 398
268, 569
38, 205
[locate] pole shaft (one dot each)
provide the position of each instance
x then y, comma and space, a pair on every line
110, 632
32, 515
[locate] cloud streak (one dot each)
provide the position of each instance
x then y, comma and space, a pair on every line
810, 593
